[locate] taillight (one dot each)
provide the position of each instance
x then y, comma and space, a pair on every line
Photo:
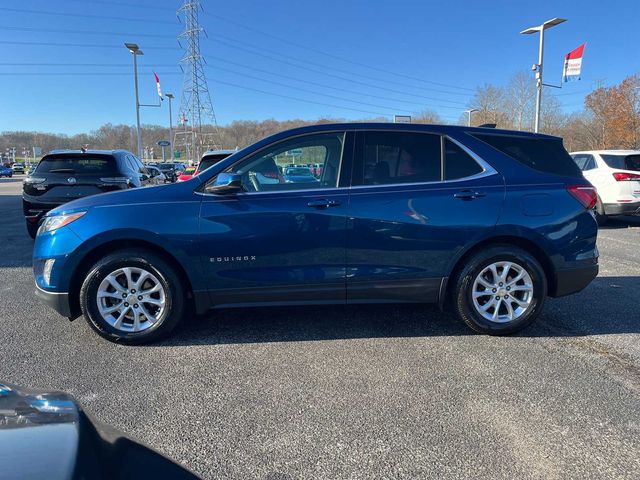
586, 195
625, 177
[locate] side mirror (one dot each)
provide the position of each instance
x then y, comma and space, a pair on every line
144, 177
226, 183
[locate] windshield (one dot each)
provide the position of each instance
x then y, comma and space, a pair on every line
623, 162
77, 164
210, 161
300, 172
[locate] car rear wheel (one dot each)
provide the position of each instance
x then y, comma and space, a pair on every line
132, 297
598, 211
501, 290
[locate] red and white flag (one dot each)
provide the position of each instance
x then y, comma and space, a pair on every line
573, 64
158, 86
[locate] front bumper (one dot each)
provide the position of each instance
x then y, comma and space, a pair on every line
632, 208
58, 301
573, 280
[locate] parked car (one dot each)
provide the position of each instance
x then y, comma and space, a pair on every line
171, 171
187, 173
616, 176
299, 175
18, 167
70, 174
210, 158
6, 171
156, 177
49, 435
489, 222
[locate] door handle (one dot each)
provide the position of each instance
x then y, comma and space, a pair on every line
324, 203
469, 195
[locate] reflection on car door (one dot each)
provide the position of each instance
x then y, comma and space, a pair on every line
279, 241
412, 209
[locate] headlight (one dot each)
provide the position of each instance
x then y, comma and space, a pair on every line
53, 223
32, 180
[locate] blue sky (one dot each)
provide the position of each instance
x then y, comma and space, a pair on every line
259, 52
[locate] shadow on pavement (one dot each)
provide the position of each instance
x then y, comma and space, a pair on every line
615, 223
17, 246
604, 307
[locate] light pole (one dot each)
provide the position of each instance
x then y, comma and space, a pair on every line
469, 112
170, 97
538, 67
135, 51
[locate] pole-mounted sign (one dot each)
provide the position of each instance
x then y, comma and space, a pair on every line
573, 64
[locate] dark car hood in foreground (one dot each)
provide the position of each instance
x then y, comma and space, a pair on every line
48, 435
157, 194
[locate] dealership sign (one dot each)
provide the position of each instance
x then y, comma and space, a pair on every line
573, 64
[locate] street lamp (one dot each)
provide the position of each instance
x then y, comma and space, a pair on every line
170, 97
135, 51
538, 67
469, 112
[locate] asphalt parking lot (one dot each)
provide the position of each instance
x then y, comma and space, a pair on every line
354, 392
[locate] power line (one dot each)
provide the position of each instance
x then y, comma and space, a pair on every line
83, 15
336, 57
80, 45
300, 99
83, 32
328, 74
355, 92
321, 85
81, 74
324, 66
335, 97
125, 4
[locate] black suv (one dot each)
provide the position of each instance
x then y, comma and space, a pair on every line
62, 176
171, 170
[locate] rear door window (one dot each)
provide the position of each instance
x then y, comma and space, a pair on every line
401, 157
546, 155
623, 162
80, 164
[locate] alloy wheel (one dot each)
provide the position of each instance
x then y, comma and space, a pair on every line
131, 299
502, 292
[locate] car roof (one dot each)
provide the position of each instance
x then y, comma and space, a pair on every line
619, 152
219, 152
100, 152
418, 127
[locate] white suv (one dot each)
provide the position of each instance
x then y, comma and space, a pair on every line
616, 176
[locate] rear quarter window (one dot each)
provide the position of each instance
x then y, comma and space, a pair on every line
546, 155
77, 164
623, 162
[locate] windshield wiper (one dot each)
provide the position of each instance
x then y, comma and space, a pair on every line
62, 170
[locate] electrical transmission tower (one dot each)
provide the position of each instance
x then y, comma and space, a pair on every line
200, 129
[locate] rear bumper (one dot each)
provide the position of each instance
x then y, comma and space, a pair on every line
58, 301
573, 280
622, 208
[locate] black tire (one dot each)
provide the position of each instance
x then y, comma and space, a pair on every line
598, 211
149, 261
32, 229
463, 290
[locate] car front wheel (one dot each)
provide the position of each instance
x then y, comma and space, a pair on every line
500, 290
132, 297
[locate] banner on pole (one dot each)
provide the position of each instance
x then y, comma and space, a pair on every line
158, 86
573, 64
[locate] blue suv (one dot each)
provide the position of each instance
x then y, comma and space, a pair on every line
486, 222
